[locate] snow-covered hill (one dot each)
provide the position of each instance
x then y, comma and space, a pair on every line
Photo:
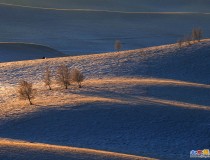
26, 51
189, 63
151, 102
123, 5
94, 25
21, 150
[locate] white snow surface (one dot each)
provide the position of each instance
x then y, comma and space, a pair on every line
78, 27
151, 102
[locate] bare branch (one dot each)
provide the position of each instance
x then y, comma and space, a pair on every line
48, 77
77, 76
25, 91
63, 76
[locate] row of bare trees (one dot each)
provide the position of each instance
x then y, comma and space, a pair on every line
196, 35
64, 76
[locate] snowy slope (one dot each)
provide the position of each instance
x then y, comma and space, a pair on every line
92, 30
189, 63
33, 151
123, 5
24, 51
151, 102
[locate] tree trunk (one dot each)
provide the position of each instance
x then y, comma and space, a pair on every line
80, 85
30, 101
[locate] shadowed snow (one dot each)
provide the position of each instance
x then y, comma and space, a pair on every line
25, 51
151, 102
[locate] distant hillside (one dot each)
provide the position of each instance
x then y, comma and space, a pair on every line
125, 5
98, 23
24, 51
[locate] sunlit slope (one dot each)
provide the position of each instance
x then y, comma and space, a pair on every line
189, 63
24, 51
125, 101
169, 68
9, 149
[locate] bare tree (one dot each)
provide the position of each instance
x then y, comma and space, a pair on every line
63, 76
25, 91
48, 78
197, 34
200, 34
118, 45
77, 76
194, 34
180, 42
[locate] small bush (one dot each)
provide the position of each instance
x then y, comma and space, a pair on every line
118, 45
48, 78
25, 91
63, 76
77, 76
197, 34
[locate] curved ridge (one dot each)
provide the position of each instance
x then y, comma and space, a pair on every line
149, 81
24, 145
96, 10
30, 44
175, 103
18, 51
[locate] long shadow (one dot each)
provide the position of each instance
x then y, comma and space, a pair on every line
107, 93
148, 130
198, 96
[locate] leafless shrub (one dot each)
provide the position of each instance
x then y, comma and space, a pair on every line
25, 91
118, 45
77, 76
48, 78
63, 76
197, 34
180, 43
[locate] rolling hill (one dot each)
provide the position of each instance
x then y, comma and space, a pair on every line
84, 27
123, 5
27, 150
23, 51
151, 102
